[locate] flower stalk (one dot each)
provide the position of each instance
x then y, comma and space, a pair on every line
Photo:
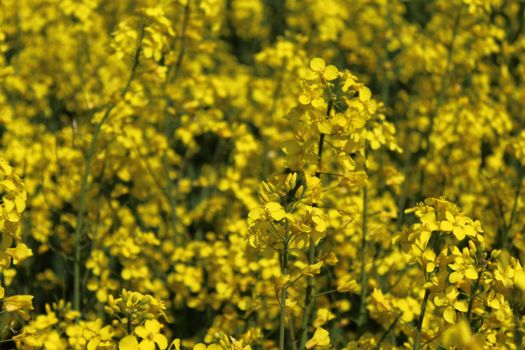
282, 318
84, 189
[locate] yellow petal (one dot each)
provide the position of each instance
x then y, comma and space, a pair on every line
439, 301
430, 267
128, 343
455, 277
519, 279
425, 236
313, 269
331, 73
429, 255
276, 210
449, 315
20, 204
428, 218
365, 94
469, 230
318, 103
176, 344
9, 204
461, 306
325, 127
20, 253
459, 232
471, 273
304, 99
147, 344
8, 185
17, 302
317, 64
321, 337
446, 226
13, 216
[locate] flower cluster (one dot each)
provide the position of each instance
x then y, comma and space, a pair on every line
13, 251
263, 174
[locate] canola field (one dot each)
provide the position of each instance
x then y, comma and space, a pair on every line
262, 174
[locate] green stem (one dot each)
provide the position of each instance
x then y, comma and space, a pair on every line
326, 292
362, 304
387, 332
168, 132
282, 319
420, 320
473, 295
266, 145
435, 248
517, 334
310, 298
445, 76
182, 51
84, 189
508, 226
435, 239
440, 97
291, 330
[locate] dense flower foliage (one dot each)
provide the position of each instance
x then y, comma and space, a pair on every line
262, 174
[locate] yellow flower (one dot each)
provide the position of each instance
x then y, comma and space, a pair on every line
313, 269
150, 334
275, 210
18, 304
460, 336
378, 299
323, 315
331, 259
519, 279
312, 94
364, 93
462, 266
20, 253
459, 225
129, 342
97, 335
318, 65
451, 304
320, 339
176, 344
